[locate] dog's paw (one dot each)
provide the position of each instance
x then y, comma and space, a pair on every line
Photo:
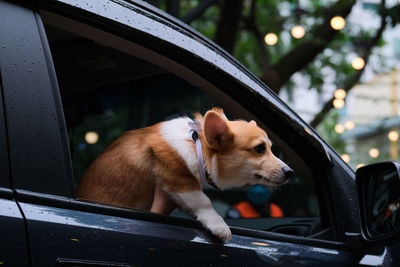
220, 229
223, 233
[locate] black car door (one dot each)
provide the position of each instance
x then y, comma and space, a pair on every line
14, 240
70, 232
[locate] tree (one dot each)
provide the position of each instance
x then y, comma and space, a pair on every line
239, 26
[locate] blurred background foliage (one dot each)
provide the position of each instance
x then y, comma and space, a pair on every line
321, 58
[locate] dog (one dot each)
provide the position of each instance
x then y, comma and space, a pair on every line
166, 165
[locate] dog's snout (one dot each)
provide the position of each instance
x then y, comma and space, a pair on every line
287, 173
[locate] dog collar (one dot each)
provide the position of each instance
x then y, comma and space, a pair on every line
205, 177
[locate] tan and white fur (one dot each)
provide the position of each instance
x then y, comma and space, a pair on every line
156, 168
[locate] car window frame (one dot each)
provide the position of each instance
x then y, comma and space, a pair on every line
269, 97
4, 164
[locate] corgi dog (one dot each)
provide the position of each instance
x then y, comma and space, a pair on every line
166, 165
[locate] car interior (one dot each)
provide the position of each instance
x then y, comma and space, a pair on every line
110, 85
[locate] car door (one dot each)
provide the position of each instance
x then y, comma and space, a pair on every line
70, 232
14, 239
14, 242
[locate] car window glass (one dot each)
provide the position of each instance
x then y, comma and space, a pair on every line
106, 92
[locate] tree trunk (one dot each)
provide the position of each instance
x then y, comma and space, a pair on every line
197, 11
250, 25
155, 3
228, 24
173, 7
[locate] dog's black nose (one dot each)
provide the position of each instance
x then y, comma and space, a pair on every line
287, 173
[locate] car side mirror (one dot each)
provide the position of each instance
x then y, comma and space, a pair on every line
378, 188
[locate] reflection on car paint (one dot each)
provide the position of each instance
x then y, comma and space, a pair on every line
13, 248
373, 260
138, 232
324, 250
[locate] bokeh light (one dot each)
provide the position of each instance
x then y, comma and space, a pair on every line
340, 93
373, 152
358, 63
349, 125
346, 158
91, 137
271, 39
339, 128
338, 103
298, 32
393, 136
338, 23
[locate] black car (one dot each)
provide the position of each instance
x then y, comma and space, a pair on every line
73, 68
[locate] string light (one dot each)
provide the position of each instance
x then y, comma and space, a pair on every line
340, 93
373, 152
360, 165
346, 158
338, 23
338, 103
349, 125
271, 39
298, 32
358, 63
91, 137
339, 128
393, 136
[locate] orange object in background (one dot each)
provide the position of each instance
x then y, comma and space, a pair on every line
246, 210
275, 211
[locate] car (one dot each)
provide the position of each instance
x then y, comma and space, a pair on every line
75, 74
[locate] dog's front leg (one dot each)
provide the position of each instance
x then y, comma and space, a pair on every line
197, 203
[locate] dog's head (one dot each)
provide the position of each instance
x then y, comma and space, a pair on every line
241, 152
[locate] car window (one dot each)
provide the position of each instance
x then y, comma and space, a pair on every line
106, 92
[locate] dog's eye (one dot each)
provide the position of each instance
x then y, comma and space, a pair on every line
260, 148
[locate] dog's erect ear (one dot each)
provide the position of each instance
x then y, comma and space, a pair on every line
216, 130
220, 111
253, 123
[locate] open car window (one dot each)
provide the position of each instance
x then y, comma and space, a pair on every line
106, 91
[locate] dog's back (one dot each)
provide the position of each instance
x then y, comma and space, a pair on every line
123, 175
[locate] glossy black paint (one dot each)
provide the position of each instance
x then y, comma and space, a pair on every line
343, 196
13, 245
95, 237
4, 173
378, 186
68, 232
33, 125
67, 203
